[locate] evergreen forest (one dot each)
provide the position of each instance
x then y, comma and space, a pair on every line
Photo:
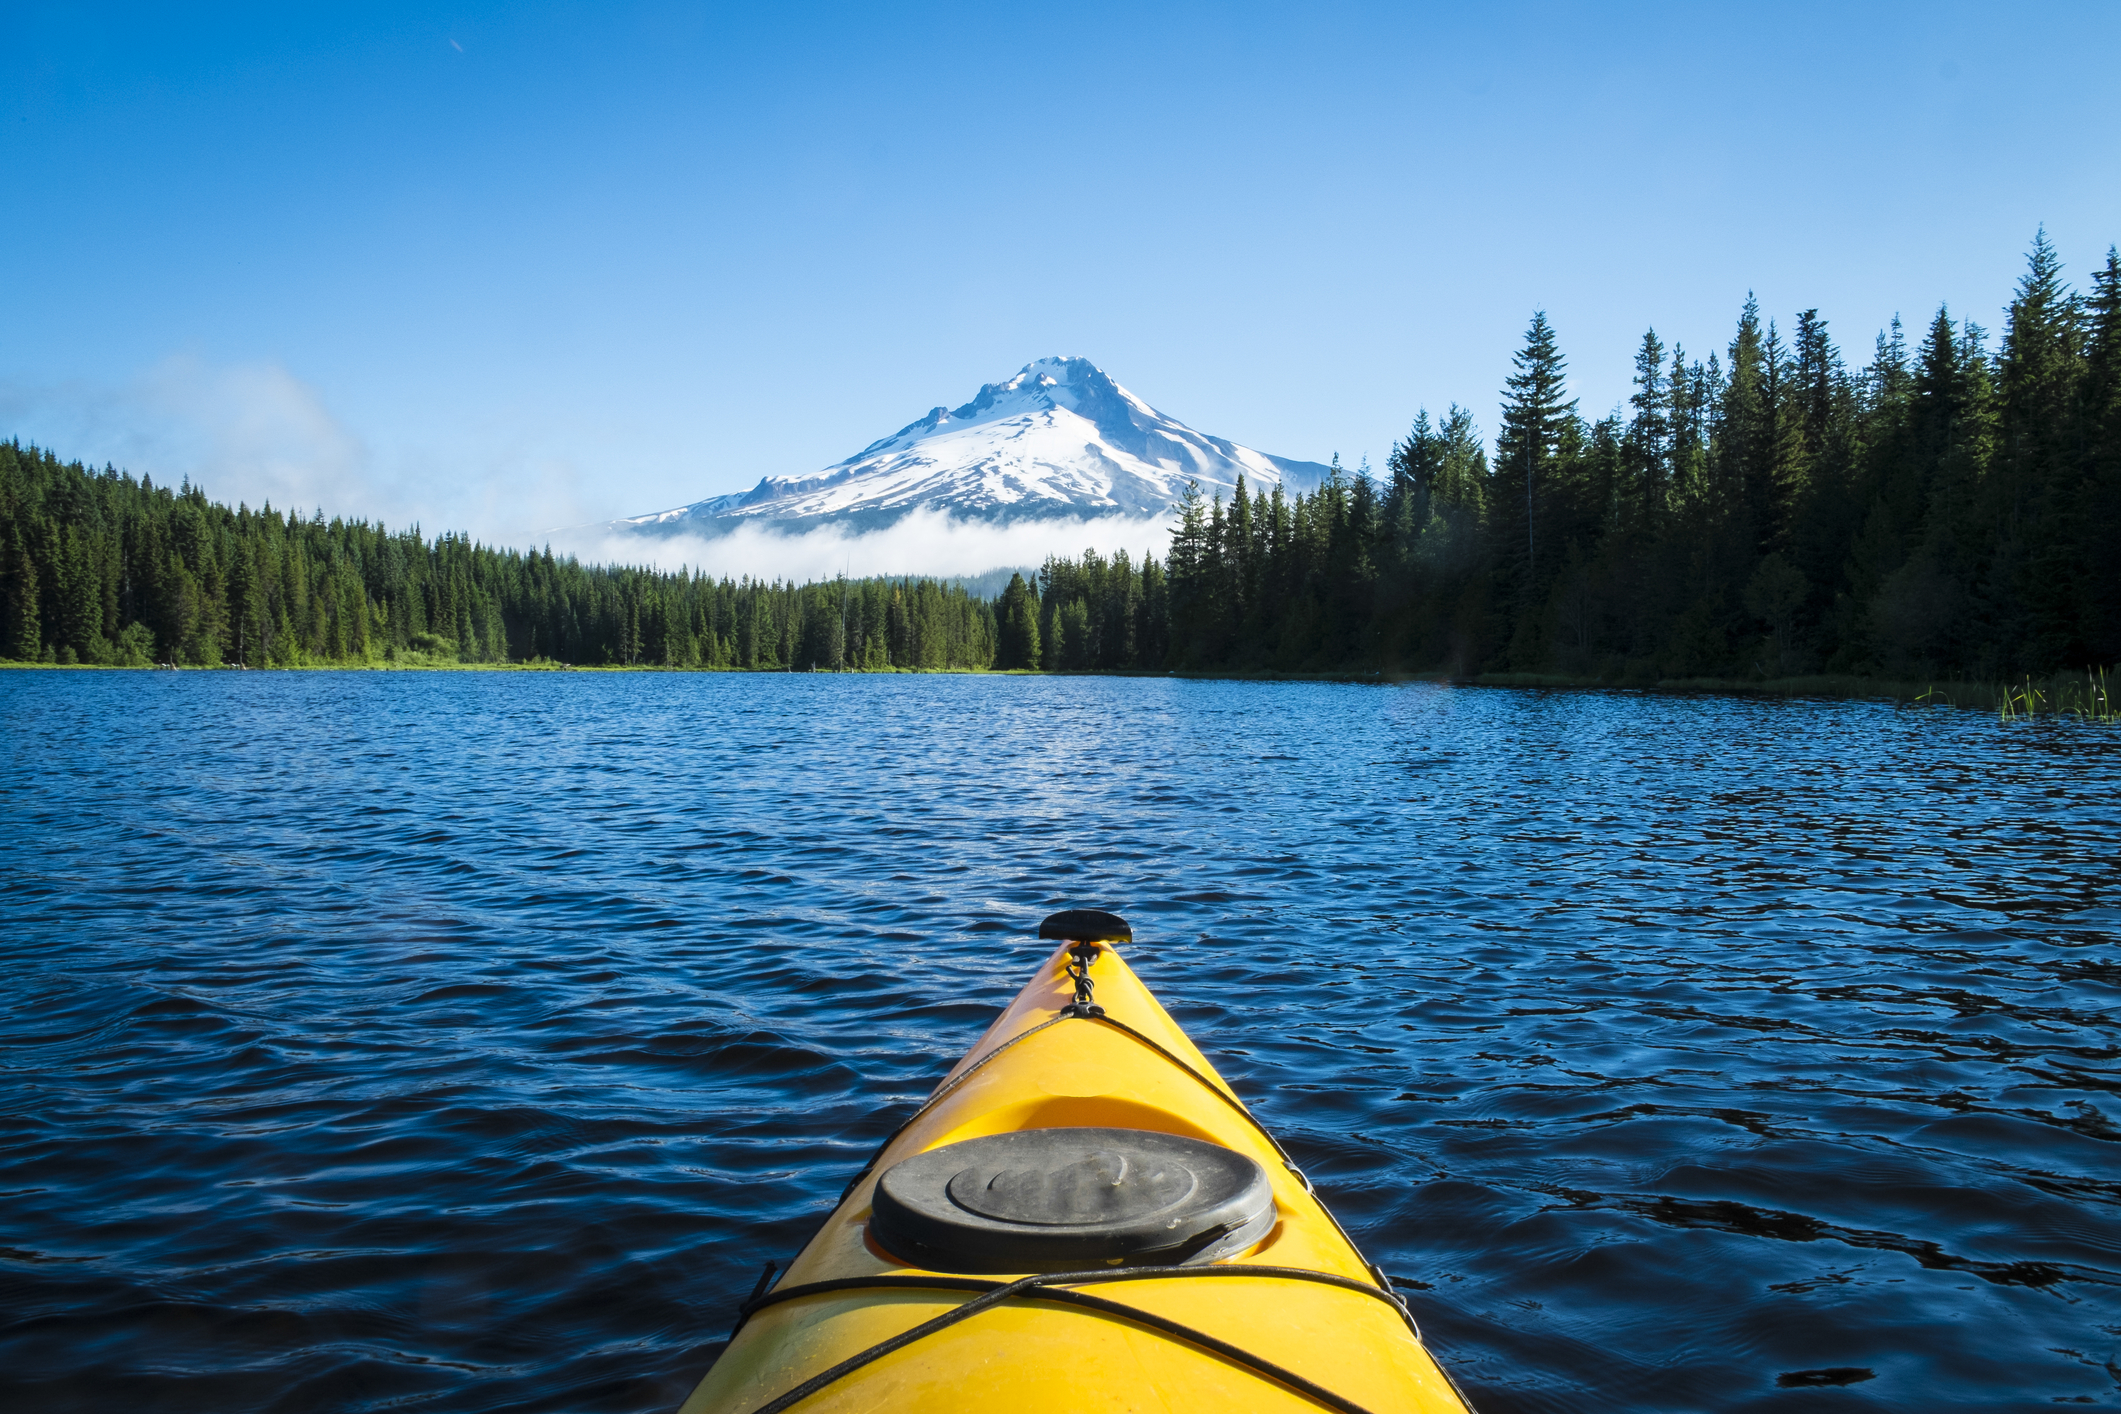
1945, 509
100, 568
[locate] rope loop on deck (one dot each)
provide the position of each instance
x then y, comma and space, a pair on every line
1051, 1286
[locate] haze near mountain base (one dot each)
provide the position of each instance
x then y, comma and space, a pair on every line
1058, 453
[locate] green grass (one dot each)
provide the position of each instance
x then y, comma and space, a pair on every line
2087, 696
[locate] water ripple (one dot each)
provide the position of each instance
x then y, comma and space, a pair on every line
468, 1041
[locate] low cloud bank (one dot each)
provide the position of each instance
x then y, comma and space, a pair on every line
256, 433
929, 543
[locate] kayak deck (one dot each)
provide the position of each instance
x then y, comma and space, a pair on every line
1048, 1063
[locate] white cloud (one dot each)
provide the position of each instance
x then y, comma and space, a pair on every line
255, 433
923, 543
245, 432
258, 433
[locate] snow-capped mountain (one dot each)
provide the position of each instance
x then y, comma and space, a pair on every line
1059, 439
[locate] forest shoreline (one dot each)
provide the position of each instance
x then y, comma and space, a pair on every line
2058, 691
443, 666
1986, 696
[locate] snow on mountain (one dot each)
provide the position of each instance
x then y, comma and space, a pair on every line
1060, 439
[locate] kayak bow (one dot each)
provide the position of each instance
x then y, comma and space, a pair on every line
1082, 1216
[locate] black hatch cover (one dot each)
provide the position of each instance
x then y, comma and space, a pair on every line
1056, 1200
1086, 925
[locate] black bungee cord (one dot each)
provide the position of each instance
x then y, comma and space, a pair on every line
1050, 1286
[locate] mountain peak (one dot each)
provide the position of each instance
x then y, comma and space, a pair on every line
1059, 438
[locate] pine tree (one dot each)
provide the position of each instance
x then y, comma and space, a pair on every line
243, 600
24, 626
1017, 626
1412, 467
2039, 369
1053, 636
1461, 481
1920, 611
80, 599
1782, 465
2098, 442
1188, 567
1756, 440
2038, 572
1405, 514
1538, 424
1647, 449
1079, 652
1242, 572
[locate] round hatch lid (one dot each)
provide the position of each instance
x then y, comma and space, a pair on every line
1056, 1200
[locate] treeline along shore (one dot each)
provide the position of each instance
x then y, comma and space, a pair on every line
1947, 510
100, 568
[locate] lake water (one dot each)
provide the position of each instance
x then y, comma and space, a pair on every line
468, 1041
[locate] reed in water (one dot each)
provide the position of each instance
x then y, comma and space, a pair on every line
2088, 697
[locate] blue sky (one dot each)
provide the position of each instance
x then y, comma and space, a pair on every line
503, 268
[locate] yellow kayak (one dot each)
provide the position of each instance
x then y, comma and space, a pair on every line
1082, 1216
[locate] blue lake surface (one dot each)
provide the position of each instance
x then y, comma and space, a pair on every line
468, 1041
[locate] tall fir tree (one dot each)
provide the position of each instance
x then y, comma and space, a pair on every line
1539, 424
1647, 448
2037, 572
2098, 483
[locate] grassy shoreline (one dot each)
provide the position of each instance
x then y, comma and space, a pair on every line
1838, 685
2081, 694
416, 663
